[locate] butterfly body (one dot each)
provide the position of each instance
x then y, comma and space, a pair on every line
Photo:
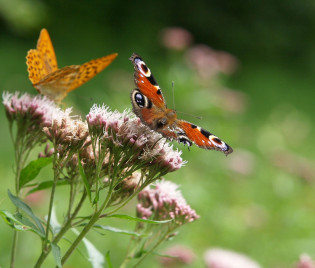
57, 83
149, 105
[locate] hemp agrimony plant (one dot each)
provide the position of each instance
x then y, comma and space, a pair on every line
104, 161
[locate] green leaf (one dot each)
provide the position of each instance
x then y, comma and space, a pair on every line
19, 222
108, 261
25, 208
31, 171
94, 256
56, 252
46, 185
116, 230
85, 181
127, 217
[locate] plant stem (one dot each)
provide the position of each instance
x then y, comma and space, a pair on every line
152, 249
51, 202
13, 250
62, 231
87, 227
19, 164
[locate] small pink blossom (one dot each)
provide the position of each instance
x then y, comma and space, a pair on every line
180, 256
209, 62
166, 202
176, 38
305, 262
37, 109
222, 258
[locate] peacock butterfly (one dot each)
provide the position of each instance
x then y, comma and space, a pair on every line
149, 105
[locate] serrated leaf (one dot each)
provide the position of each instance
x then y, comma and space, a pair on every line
85, 181
46, 185
130, 218
20, 223
108, 261
56, 252
25, 208
116, 230
31, 171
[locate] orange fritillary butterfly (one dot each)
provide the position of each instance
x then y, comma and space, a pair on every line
55, 83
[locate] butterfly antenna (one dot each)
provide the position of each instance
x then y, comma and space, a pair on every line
173, 95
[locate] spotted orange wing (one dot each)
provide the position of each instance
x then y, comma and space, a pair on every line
56, 83
42, 60
188, 133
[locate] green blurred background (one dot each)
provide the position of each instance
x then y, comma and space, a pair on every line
258, 201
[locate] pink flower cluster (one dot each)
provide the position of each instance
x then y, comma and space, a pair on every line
163, 202
139, 144
38, 109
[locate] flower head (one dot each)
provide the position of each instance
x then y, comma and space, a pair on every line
30, 114
136, 145
66, 133
165, 201
176, 38
218, 258
305, 262
180, 256
37, 109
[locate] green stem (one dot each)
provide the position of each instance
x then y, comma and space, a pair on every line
62, 231
19, 165
87, 227
83, 233
51, 201
152, 249
13, 250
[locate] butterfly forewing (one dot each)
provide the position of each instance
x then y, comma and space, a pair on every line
202, 138
47, 52
146, 82
89, 69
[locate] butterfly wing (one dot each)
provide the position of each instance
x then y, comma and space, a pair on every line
56, 85
146, 83
42, 60
89, 69
188, 133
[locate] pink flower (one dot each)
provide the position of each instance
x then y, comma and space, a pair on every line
138, 143
180, 256
222, 258
176, 38
37, 109
305, 262
209, 62
165, 202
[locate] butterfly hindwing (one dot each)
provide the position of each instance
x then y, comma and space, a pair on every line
146, 82
201, 137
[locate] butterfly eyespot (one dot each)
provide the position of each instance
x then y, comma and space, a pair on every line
139, 99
